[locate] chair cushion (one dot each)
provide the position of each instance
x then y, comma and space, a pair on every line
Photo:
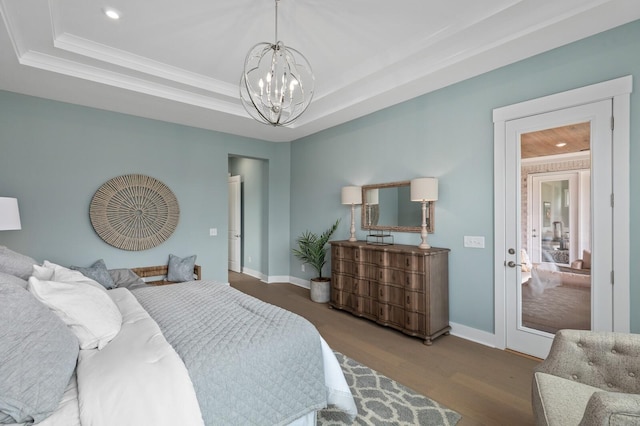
561, 401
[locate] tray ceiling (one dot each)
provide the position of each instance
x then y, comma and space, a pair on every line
181, 61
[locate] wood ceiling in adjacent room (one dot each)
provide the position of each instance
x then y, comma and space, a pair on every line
577, 138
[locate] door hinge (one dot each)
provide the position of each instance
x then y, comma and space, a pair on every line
612, 122
611, 277
612, 200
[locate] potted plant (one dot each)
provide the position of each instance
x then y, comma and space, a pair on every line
312, 250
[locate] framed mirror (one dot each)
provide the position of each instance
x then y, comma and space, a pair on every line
388, 207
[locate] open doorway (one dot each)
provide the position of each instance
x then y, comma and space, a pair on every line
254, 218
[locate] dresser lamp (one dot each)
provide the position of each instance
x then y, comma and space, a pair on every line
9, 214
424, 190
352, 195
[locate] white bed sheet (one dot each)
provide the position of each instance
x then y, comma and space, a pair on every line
68, 412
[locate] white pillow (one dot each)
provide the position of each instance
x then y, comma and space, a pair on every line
89, 311
52, 272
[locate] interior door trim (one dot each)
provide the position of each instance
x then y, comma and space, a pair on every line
620, 91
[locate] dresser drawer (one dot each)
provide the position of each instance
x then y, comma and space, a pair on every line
342, 266
342, 282
365, 306
415, 281
341, 299
390, 294
364, 287
415, 323
391, 314
346, 253
415, 301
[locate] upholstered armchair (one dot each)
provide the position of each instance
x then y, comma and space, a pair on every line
589, 378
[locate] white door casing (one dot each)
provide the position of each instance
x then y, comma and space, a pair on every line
235, 236
618, 92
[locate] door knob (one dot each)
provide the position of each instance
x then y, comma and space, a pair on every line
512, 264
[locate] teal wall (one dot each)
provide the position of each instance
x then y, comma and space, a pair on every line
54, 156
449, 134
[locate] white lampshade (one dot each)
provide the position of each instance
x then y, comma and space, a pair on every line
372, 197
351, 195
424, 189
9, 214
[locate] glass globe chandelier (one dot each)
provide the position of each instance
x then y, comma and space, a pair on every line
277, 83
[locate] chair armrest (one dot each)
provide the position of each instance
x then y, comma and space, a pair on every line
608, 408
577, 264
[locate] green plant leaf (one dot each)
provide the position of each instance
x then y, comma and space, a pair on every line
312, 248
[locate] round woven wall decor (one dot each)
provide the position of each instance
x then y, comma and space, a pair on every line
134, 212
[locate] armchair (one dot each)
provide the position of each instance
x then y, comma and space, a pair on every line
589, 378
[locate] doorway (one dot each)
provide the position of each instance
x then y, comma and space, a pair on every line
235, 224
542, 282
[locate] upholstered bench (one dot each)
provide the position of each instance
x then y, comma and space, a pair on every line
161, 272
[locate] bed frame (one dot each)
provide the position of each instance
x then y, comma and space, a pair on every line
161, 271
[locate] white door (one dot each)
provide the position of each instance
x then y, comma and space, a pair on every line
531, 320
235, 241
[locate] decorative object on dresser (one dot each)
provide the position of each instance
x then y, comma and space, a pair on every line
352, 195
399, 286
134, 212
312, 250
9, 214
424, 190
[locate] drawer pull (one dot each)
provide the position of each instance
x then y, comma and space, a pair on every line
408, 300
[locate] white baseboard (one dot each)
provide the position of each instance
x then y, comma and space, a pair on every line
277, 279
473, 334
255, 274
300, 282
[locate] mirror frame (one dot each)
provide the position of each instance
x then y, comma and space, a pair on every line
430, 210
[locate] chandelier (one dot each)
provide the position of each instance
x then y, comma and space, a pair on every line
277, 83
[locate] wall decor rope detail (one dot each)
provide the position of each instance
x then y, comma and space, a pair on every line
134, 212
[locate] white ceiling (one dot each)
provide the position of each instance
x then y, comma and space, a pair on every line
181, 61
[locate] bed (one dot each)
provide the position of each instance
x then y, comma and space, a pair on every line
192, 353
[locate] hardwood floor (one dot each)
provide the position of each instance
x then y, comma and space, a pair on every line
486, 386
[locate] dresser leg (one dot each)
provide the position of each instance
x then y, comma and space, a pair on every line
428, 342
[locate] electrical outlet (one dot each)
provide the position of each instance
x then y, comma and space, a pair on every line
474, 242
249, 259
213, 232
302, 268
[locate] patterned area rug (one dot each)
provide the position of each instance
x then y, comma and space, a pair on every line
382, 401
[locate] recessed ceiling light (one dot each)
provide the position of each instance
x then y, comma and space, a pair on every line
561, 144
112, 13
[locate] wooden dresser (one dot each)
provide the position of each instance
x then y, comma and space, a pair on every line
396, 285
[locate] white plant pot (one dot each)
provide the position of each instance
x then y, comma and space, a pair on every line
321, 290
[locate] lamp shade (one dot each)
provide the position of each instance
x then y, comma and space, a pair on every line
9, 214
424, 189
351, 195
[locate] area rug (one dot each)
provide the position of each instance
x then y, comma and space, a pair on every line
382, 401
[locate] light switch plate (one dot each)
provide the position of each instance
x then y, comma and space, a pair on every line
213, 232
474, 242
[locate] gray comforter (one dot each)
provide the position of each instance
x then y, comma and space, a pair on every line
250, 362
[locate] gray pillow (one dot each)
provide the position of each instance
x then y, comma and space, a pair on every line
125, 278
98, 272
16, 264
6, 278
38, 353
181, 269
